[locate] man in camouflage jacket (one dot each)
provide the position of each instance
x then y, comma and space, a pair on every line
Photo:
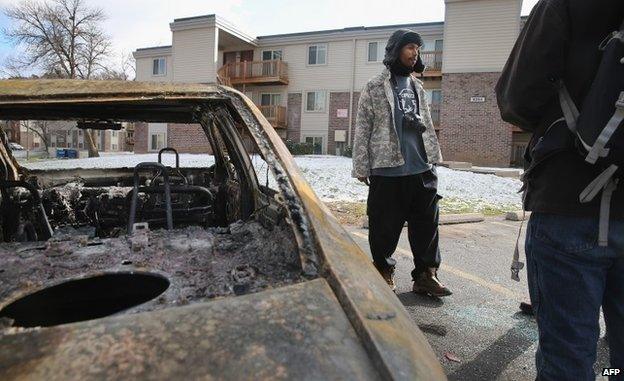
376, 144
395, 150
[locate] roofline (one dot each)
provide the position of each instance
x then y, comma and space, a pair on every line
211, 21
154, 51
352, 29
154, 48
212, 15
230, 28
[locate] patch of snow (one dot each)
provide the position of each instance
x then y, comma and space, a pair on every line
330, 177
121, 161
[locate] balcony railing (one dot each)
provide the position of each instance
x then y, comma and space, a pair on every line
273, 72
433, 61
276, 115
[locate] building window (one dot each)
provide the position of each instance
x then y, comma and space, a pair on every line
159, 67
270, 55
114, 147
376, 51
270, 99
113, 133
439, 45
435, 99
317, 54
79, 132
436, 96
157, 141
315, 101
317, 142
81, 145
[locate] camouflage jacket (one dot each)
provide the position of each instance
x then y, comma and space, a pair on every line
376, 143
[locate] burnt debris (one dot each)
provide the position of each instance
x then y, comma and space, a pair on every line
199, 264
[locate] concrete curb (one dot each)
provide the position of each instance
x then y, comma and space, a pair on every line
514, 174
451, 219
468, 167
445, 219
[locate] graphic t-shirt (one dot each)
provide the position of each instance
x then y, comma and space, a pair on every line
410, 138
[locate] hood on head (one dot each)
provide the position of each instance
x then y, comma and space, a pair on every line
396, 42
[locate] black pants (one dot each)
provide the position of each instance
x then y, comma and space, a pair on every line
394, 200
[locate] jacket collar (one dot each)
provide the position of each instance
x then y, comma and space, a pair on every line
385, 76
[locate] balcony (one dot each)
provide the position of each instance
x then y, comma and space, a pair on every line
433, 62
276, 115
273, 72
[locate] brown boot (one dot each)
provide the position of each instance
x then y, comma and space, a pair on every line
428, 283
387, 274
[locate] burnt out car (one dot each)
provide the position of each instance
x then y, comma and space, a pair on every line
157, 271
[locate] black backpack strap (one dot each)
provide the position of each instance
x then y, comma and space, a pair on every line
599, 148
570, 111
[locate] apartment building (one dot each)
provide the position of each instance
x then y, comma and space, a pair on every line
34, 135
308, 84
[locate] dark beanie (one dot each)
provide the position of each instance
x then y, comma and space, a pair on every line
408, 38
396, 42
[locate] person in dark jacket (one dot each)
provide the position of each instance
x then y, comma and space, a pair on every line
394, 152
570, 276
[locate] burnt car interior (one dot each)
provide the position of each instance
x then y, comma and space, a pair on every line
80, 244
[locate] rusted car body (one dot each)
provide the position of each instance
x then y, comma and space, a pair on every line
255, 284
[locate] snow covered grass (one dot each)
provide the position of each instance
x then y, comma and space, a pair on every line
463, 192
330, 176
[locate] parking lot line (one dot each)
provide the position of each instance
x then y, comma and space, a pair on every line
462, 274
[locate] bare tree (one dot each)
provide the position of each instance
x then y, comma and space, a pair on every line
59, 36
39, 128
63, 38
125, 72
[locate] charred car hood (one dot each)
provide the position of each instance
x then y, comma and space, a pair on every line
294, 332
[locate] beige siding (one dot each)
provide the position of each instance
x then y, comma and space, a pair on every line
365, 70
256, 91
144, 67
335, 75
195, 55
315, 123
479, 34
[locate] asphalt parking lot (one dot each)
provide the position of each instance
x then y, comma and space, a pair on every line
478, 332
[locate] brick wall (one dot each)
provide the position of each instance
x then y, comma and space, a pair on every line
473, 132
294, 117
187, 138
336, 101
140, 137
